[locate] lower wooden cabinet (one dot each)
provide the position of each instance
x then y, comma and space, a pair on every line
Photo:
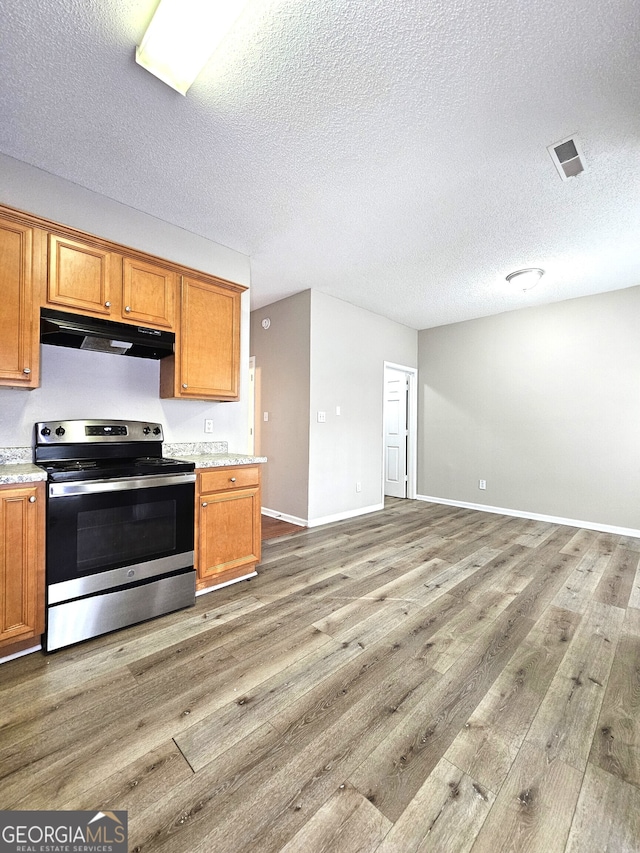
22, 521
228, 523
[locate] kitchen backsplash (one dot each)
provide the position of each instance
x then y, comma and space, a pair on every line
194, 448
15, 455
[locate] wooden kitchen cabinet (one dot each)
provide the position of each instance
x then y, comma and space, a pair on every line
92, 279
80, 276
228, 524
21, 256
207, 361
22, 519
148, 293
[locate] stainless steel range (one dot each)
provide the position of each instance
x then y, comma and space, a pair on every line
119, 527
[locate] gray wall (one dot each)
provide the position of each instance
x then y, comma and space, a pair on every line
95, 385
282, 389
543, 403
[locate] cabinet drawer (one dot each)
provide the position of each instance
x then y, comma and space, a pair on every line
219, 479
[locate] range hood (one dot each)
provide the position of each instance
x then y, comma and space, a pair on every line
90, 333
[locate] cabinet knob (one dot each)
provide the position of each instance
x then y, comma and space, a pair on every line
128, 308
27, 370
107, 305
204, 503
232, 479
184, 385
32, 499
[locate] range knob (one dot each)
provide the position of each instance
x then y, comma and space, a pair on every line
156, 430
45, 431
60, 430
146, 430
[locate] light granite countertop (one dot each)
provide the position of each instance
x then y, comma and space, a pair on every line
20, 472
219, 460
16, 465
209, 454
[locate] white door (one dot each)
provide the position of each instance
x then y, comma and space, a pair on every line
396, 388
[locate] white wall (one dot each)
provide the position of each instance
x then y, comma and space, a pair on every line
543, 403
348, 349
83, 384
320, 353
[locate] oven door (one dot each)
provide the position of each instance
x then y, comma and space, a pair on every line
103, 534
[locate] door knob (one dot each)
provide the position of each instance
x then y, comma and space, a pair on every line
204, 503
27, 370
32, 499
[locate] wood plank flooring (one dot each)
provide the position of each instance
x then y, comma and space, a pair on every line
275, 527
424, 678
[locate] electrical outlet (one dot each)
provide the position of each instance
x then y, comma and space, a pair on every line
266, 416
322, 417
208, 425
482, 484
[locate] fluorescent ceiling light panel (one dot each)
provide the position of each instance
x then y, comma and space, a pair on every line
182, 36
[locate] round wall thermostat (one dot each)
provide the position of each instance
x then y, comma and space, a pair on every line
266, 323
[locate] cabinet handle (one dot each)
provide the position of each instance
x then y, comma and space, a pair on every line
128, 308
27, 370
107, 305
204, 503
32, 499
184, 385
232, 479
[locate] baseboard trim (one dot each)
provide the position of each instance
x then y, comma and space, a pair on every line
226, 583
535, 516
325, 519
282, 516
342, 516
21, 653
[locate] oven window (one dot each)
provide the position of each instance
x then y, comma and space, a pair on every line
124, 534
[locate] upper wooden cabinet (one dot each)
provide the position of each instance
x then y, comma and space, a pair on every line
80, 276
21, 564
94, 280
148, 293
43, 263
20, 273
207, 361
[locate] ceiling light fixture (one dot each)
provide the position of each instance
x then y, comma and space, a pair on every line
526, 279
182, 36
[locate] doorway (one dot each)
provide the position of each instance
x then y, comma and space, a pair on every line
400, 418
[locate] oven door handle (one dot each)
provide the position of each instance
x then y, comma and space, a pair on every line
89, 487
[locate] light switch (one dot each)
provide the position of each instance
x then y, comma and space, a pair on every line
266, 416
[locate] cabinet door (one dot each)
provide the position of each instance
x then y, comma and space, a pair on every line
21, 563
19, 332
80, 276
148, 292
209, 356
229, 533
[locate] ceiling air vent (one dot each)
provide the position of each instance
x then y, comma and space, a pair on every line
567, 156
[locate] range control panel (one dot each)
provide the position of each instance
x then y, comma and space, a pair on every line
92, 431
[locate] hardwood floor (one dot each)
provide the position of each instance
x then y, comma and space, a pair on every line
273, 528
420, 679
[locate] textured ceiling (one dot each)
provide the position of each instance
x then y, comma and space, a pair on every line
392, 154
